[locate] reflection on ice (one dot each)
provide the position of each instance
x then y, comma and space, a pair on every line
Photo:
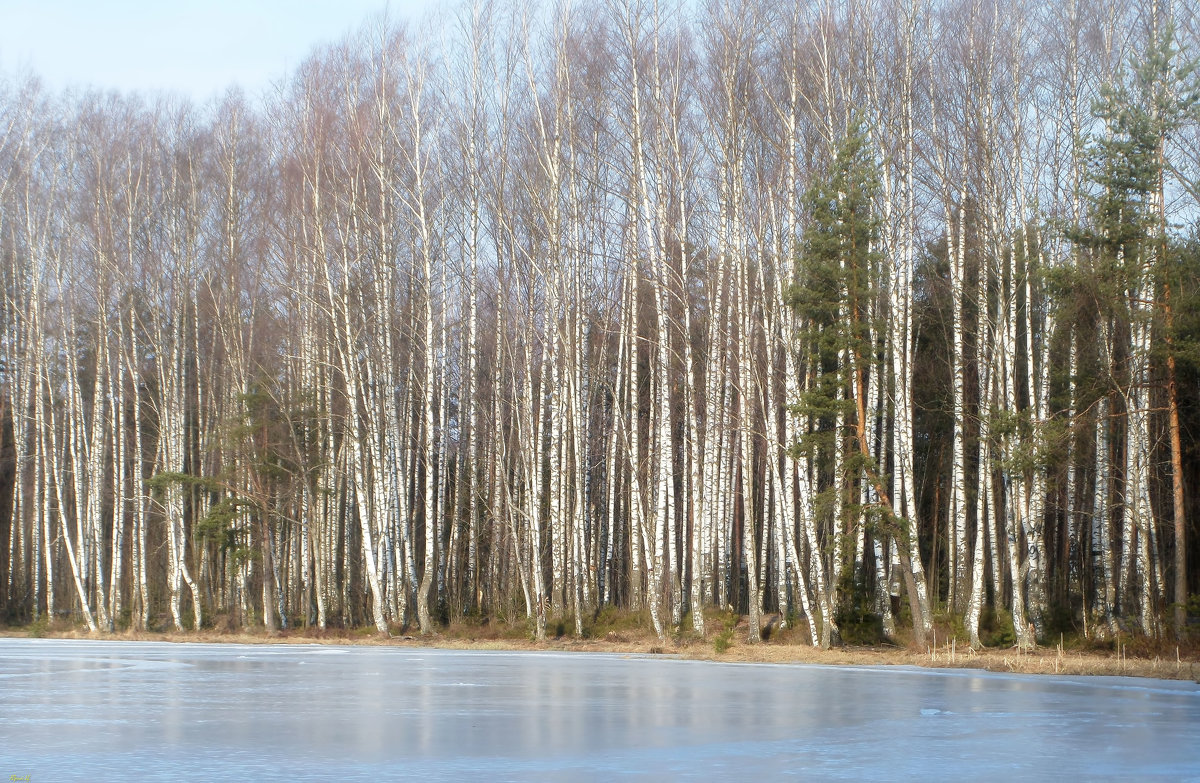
85, 710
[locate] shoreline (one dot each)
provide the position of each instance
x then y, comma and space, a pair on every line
1042, 660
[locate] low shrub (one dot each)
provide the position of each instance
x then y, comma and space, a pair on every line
996, 628
855, 615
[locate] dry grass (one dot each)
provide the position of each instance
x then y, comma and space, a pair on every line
1040, 661
1146, 661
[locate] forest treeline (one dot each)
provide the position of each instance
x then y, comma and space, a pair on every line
879, 309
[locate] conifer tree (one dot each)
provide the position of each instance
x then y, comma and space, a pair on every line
836, 299
1127, 238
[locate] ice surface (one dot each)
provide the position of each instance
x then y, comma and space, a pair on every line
109, 711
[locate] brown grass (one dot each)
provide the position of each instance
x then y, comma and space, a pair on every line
1141, 659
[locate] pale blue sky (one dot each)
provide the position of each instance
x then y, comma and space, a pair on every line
195, 47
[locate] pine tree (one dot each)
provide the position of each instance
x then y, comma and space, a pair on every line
835, 299
1127, 238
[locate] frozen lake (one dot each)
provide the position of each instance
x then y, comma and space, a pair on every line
112, 711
